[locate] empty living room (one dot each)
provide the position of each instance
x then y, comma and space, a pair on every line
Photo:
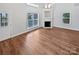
39, 28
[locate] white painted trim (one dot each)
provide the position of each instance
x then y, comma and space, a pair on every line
68, 28
13, 36
34, 29
47, 18
4, 38
18, 34
32, 5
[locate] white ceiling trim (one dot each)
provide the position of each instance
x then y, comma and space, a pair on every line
30, 4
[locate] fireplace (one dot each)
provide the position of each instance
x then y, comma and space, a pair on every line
47, 24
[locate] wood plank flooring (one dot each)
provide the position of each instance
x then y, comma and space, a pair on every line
55, 41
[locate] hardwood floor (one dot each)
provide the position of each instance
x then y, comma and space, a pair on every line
54, 41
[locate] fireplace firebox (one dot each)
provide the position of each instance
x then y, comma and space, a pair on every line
47, 24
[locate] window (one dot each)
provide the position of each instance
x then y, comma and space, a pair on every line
3, 19
32, 20
35, 16
66, 18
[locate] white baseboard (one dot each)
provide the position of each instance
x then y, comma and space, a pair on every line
11, 36
34, 29
4, 38
68, 28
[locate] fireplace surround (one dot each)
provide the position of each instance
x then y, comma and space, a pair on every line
47, 24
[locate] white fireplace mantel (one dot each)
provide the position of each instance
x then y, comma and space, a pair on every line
47, 16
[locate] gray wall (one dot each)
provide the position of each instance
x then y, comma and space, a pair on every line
59, 9
17, 16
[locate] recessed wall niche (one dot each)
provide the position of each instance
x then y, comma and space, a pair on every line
3, 19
